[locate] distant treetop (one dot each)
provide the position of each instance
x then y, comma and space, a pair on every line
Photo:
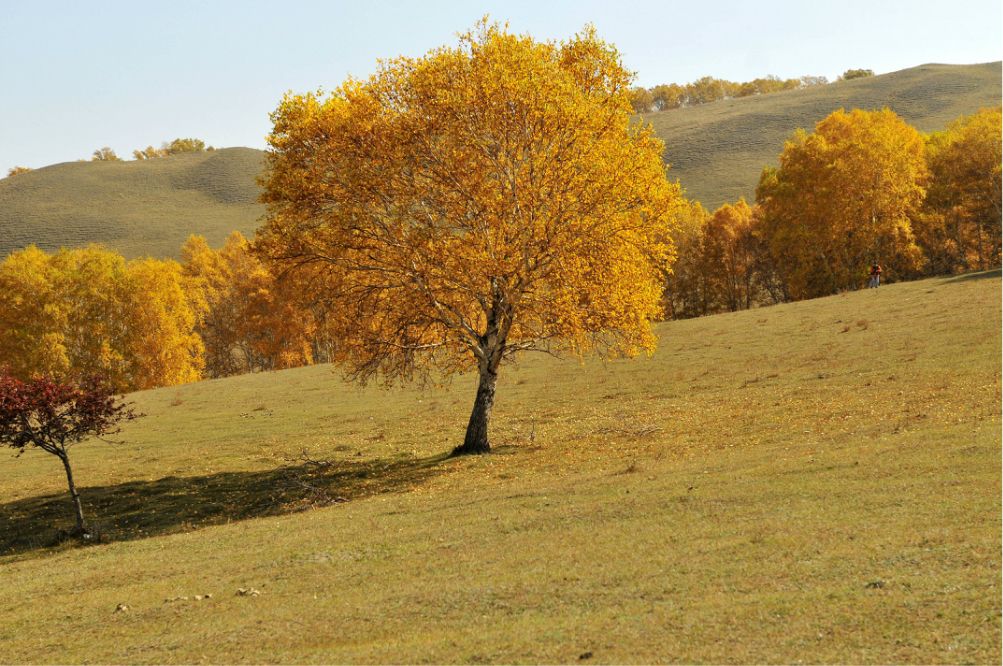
105, 154
13, 171
708, 89
856, 74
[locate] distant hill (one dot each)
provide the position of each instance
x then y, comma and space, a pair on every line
139, 208
716, 150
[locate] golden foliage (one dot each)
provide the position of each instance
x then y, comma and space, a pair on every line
105, 154
175, 147
729, 256
961, 227
485, 199
88, 311
841, 199
722, 263
686, 283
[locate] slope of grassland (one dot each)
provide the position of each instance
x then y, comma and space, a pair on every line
718, 150
817, 481
138, 208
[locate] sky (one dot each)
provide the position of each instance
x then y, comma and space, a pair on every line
76, 76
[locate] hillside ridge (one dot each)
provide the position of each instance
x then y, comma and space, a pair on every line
716, 150
139, 208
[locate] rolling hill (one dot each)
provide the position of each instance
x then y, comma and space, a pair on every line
137, 208
716, 150
815, 481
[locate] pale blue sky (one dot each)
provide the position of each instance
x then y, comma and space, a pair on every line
79, 75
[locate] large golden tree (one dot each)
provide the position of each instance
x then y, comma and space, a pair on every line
456, 209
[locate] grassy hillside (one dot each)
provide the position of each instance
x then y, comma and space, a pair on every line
138, 208
718, 150
817, 481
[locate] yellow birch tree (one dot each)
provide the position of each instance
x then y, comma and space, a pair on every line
486, 199
87, 312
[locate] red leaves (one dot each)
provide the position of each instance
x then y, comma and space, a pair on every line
52, 415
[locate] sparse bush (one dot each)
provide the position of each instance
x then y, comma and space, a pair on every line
105, 154
856, 74
175, 147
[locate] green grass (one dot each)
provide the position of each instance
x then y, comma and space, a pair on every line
137, 208
817, 481
716, 150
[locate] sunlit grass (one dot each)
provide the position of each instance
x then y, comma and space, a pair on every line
817, 481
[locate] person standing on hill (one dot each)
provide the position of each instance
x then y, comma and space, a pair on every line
875, 276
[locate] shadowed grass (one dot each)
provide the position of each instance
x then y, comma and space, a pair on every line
143, 509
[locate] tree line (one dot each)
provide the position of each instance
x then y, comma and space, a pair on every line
710, 89
166, 149
865, 187
148, 322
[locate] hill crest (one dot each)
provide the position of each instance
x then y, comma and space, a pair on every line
716, 150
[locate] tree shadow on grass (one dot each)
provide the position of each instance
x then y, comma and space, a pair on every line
140, 509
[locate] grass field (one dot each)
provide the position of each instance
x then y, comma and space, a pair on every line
817, 482
716, 150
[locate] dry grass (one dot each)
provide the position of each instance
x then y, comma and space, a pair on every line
766, 488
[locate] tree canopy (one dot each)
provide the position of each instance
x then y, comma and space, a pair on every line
88, 311
246, 319
962, 228
842, 198
856, 74
105, 154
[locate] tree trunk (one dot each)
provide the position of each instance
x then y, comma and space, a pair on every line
77, 507
476, 440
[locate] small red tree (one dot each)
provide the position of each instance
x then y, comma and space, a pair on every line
52, 416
